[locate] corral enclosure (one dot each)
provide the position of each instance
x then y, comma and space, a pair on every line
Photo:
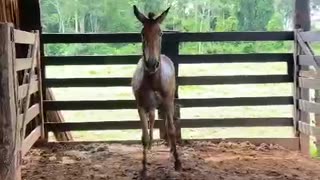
224, 76
251, 82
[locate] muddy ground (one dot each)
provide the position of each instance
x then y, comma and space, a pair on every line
200, 160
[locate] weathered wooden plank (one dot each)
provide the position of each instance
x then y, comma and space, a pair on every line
303, 45
23, 37
309, 130
9, 148
23, 63
310, 107
198, 80
234, 58
242, 79
88, 82
236, 36
130, 104
22, 90
309, 74
92, 38
180, 59
183, 37
295, 86
29, 141
310, 36
34, 55
291, 143
32, 112
309, 83
91, 60
308, 60
185, 123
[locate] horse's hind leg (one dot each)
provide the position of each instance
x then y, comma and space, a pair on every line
144, 139
151, 120
172, 134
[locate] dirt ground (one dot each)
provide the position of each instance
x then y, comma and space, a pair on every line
200, 160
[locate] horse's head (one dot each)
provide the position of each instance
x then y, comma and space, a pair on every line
151, 38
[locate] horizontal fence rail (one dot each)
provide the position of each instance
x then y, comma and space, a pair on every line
197, 80
130, 104
180, 59
169, 36
185, 123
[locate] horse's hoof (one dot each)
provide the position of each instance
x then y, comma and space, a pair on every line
177, 166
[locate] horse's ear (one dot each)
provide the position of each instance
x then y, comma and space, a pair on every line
162, 16
141, 17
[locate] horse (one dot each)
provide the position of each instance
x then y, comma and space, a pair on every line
154, 84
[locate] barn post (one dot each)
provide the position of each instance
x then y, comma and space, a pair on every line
9, 158
170, 47
302, 22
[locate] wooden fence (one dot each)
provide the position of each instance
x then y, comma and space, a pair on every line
307, 81
171, 41
21, 97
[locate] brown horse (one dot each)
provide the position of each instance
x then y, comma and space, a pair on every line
153, 84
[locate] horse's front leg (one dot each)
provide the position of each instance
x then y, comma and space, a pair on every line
151, 120
144, 139
171, 130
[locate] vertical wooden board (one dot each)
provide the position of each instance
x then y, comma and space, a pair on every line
302, 15
38, 68
302, 21
9, 169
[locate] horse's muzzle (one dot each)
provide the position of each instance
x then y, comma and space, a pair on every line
152, 65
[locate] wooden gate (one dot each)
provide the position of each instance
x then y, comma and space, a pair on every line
307, 81
20, 97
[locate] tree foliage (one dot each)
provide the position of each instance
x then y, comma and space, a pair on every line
105, 16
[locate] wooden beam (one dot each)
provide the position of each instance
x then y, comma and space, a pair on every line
23, 63
236, 36
302, 18
30, 140
302, 21
309, 107
309, 60
9, 148
202, 102
23, 37
183, 37
22, 89
310, 36
185, 123
32, 112
182, 81
309, 83
180, 59
309, 74
308, 129
234, 58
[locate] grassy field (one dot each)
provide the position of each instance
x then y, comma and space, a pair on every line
243, 90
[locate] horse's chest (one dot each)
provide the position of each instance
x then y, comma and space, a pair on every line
149, 94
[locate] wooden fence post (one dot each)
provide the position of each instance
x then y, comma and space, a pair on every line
9, 167
302, 21
171, 49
